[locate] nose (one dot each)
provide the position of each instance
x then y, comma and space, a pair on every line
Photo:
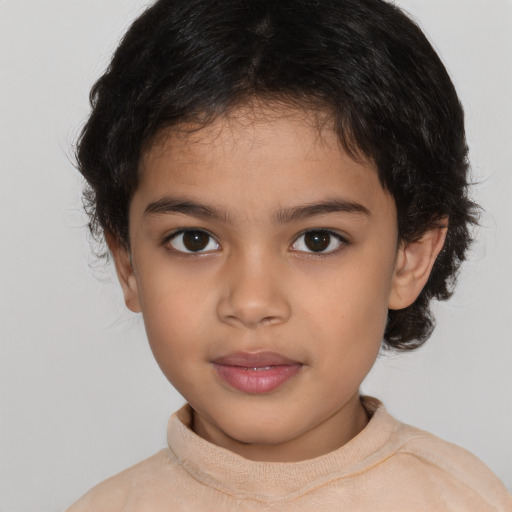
254, 293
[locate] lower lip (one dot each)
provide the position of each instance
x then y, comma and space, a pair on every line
257, 381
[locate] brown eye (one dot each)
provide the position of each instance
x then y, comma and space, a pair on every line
318, 241
194, 240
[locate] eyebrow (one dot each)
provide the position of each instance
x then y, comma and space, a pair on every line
169, 205
191, 208
321, 208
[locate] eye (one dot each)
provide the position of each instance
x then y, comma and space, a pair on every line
318, 241
193, 241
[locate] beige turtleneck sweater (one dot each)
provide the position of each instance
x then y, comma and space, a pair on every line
389, 466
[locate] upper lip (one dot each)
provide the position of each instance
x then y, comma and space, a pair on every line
254, 359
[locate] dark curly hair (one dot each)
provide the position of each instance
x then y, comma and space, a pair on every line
365, 61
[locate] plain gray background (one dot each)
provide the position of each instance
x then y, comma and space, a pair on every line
81, 397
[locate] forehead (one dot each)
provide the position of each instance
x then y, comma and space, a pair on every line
258, 154
255, 124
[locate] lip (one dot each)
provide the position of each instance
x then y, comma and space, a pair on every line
256, 372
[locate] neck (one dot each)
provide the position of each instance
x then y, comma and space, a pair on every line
335, 431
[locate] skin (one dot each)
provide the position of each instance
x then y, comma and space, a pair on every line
257, 286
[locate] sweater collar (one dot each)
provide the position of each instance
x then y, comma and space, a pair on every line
232, 474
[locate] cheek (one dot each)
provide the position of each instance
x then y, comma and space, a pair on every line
349, 340
173, 334
349, 298
173, 316
348, 315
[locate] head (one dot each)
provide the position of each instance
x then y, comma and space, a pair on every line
350, 83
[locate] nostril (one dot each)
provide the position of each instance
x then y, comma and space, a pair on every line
252, 295
251, 314
269, 320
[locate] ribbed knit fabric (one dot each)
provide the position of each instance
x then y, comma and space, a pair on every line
388, 467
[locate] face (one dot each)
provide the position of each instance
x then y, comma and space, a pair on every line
263, 259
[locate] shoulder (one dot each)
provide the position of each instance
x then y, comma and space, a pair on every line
114, 493
422, 469
450, 467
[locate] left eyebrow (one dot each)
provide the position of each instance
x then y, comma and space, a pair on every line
322, 208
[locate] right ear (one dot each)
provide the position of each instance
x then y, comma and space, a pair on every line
125, 273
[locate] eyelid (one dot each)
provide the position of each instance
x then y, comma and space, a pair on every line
181, 231
342, 239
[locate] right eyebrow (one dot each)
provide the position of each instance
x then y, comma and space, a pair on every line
186, 207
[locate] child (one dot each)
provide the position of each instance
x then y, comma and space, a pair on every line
283, 188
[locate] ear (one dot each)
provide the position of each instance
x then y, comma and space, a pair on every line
414, 263
125, 273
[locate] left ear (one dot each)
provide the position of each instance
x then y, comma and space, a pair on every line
414, 263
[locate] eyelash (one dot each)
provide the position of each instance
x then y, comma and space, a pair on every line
342, 242
168, 242
183, 250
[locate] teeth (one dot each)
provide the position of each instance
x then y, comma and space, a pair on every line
258, 368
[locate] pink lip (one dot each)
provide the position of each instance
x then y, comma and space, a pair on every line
256, 373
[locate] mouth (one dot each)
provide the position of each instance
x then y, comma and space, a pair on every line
256, 372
